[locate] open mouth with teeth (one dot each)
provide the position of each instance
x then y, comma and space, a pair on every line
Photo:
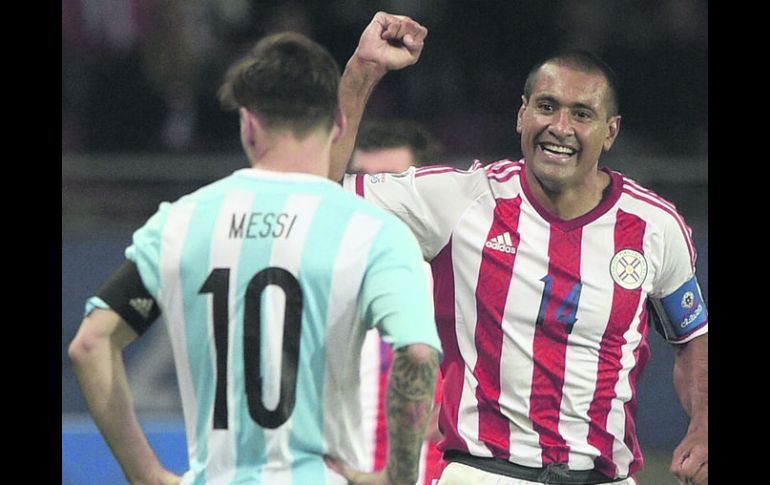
560, 150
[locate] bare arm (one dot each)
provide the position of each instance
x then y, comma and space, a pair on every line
690, 459
389, 42
411, 386
97, 355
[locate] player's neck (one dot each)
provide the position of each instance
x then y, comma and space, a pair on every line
572, 201
284, 153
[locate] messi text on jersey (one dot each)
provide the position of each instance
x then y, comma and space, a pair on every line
252, 225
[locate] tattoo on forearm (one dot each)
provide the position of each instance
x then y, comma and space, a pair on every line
410, 395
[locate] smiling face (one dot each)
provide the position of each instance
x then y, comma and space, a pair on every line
565, 126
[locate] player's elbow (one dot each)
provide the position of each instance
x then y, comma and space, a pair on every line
85, 346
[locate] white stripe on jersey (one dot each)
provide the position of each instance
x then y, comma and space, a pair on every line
225, 253
342, 410
174, 236
277, 440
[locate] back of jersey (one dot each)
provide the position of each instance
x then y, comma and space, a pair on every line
261, 278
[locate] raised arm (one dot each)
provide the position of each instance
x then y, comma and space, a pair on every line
96, 352
390, 42
690, 460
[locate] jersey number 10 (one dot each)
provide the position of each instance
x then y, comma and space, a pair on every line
218, 284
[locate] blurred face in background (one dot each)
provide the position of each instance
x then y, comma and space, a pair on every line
393, 160
565, 126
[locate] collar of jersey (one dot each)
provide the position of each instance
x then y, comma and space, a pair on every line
613, 193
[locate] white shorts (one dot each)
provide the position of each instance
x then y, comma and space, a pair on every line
460, 474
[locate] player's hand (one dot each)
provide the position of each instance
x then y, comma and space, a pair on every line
690, 462
391, 42
355, 477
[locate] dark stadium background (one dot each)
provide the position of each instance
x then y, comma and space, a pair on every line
140, 124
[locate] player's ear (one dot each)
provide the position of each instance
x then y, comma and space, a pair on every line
340, 125
520, 114
248, 128
613, 128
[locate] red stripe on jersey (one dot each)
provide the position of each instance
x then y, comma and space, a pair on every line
657, 201
433, 169
505, 176
558, 305
360, 185
381, 432
494, 280
452, 365
499, 166
629, 234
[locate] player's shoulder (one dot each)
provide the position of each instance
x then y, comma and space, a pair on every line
659, 214
652, 203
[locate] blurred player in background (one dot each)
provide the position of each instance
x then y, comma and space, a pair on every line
268, 280
546, 273
391, 146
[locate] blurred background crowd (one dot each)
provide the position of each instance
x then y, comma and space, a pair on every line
141, 75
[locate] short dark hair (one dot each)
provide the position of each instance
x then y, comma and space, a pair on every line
383, 134
581, 60
288, 79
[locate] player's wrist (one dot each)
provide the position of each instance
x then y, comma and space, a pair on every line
364, 71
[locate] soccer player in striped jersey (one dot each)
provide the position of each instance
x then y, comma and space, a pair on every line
547, 272
268, 280
391, 146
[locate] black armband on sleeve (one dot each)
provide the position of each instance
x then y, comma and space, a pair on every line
657, 316
125, 293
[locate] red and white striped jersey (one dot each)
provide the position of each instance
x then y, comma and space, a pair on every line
543, 321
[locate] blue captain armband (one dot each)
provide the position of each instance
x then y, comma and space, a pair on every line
679, 314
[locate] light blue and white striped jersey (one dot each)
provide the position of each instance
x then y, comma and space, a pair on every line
268, 282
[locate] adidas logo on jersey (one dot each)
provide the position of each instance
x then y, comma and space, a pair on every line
141, 305
502, 243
